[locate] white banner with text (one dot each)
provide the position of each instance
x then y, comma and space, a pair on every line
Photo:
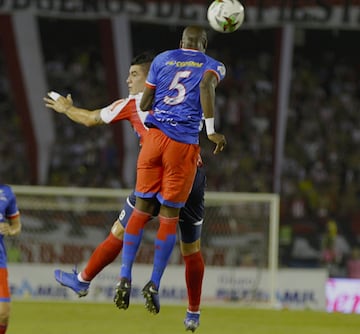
296, 288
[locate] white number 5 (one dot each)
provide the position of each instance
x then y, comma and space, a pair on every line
176, 84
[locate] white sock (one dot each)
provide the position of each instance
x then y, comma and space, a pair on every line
81, 279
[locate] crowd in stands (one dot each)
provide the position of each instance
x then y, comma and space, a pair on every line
320, 179
13, 155
320, 189
81, 157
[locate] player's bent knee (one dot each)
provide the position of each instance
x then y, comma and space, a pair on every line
118, 230
189, 248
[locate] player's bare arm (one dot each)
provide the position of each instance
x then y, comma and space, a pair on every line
207, 99
64, 105
11, 229
207, 94
147, 99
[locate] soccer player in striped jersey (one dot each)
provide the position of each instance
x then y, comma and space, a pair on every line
10, 225
191, 215
179, 92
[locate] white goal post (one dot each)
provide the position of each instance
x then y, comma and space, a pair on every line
219, 198
246, 215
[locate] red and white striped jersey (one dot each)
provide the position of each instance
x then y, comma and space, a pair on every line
126, 109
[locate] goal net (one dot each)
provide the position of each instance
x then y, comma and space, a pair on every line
62, 226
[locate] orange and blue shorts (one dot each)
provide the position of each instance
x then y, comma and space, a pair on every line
166, 169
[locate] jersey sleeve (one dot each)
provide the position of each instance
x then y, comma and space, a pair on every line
218, 68
12, 209
151, 77
126, 109
117, 111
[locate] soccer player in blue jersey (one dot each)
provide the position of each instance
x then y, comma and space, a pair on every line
191, 215
179, 92
10, 225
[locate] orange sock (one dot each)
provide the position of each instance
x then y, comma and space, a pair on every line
136, 222
103, 255
194, 273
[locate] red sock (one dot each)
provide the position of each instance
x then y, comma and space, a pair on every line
3, 328
194, 273
103, 255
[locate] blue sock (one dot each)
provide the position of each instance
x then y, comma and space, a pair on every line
129, 253
132, 238
164, 245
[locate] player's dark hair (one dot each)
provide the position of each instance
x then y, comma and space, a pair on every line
143, 58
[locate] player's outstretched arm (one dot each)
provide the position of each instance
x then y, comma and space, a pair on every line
64, 105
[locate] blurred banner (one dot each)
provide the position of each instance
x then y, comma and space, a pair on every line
343, 295
240, 286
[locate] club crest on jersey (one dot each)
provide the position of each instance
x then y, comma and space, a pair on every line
222, 69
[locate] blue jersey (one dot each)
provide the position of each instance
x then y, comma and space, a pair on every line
8, 209
175, 75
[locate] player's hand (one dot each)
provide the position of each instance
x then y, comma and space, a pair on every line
61, 104
5, 229
219, 140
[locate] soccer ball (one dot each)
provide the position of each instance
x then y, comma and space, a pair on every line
225, 15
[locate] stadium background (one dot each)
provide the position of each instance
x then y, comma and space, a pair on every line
289, 107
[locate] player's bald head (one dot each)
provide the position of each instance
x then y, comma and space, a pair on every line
194, 37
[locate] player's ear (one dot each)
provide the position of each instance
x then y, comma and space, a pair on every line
180, 44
